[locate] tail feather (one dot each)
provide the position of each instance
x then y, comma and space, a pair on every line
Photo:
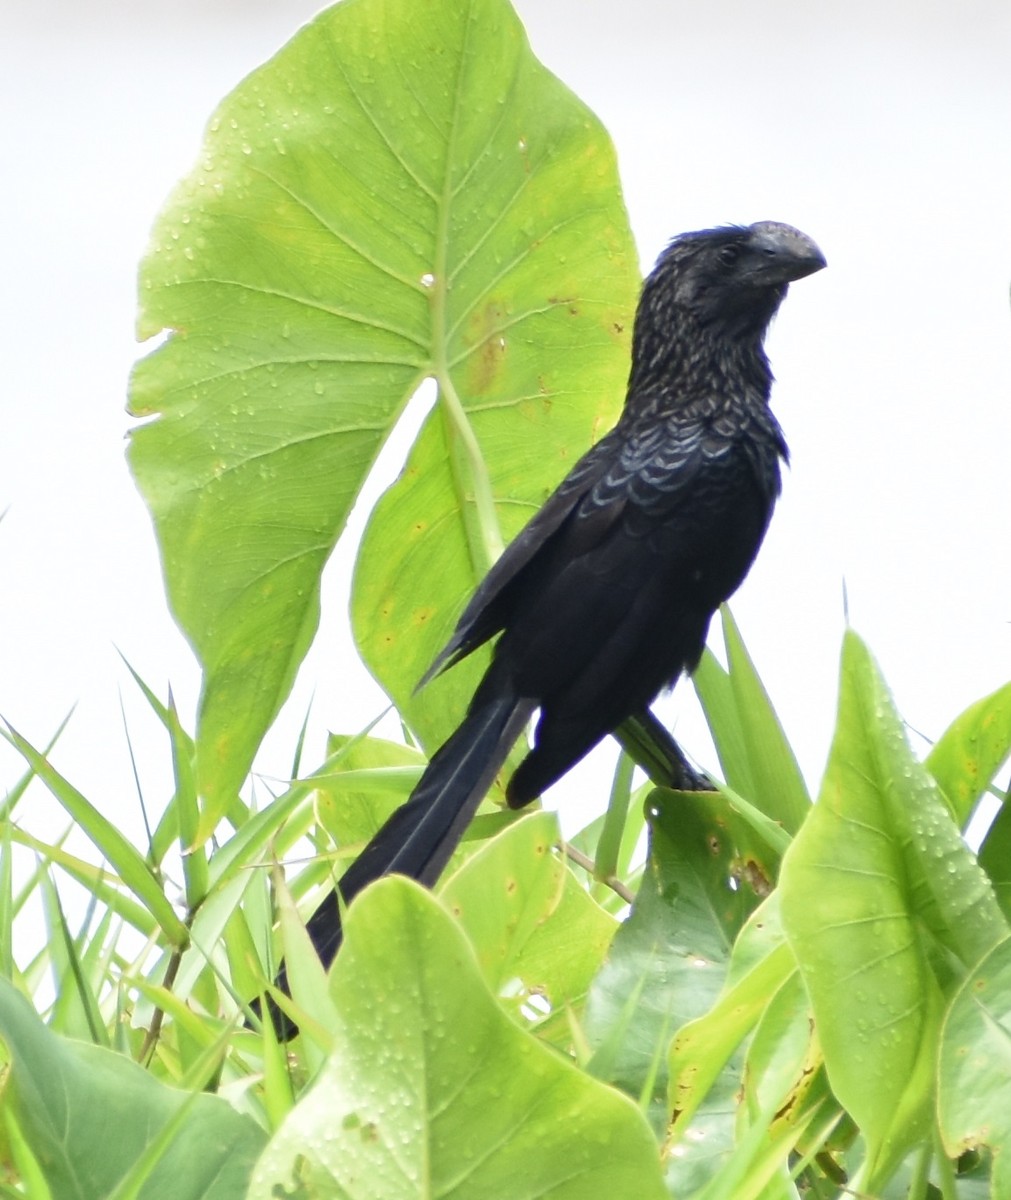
418, 839
420, 836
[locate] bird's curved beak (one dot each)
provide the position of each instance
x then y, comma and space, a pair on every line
784, 253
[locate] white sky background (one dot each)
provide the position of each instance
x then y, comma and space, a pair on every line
883, 130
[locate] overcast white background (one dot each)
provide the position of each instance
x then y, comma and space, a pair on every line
883, 130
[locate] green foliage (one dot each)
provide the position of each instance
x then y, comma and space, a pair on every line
669, 958
876, 888
433, 1090
98, 1125
545, 939
754, 753
974, 1068
400, 192
971, 751
802, 1000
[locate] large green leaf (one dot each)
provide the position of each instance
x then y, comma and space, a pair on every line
95, 1121
971, 750
535, 930
433, 1091
849, 916
974, 1072
531, 358
401, 192
779, 1094
760, 964
875, 879
666, 967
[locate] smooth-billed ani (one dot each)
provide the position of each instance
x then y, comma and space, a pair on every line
605, 597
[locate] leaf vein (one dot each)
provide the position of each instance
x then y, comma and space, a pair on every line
373, 121
308, 302
343, 238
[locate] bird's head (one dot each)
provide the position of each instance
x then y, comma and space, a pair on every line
731, 279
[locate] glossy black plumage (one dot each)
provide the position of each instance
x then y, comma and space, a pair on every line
606, 596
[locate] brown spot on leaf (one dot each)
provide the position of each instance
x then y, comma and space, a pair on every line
489, 347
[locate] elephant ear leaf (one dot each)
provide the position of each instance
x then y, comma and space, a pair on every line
433, 1090
403, 192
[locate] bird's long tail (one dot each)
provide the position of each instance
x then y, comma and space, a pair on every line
418, 839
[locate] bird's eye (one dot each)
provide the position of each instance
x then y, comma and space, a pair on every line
729, 254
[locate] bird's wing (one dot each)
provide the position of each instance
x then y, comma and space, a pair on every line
623, 607
488, 610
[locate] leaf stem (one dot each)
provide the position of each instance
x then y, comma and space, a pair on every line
584, 861
470, 471
484, 534
945, 1168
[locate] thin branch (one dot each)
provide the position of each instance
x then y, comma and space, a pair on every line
584, 861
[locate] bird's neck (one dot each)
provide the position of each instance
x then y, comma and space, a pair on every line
689, 355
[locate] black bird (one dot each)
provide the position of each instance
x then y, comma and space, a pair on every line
605, 597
